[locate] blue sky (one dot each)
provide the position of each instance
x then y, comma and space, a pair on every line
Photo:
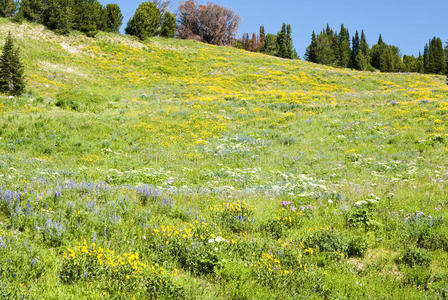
408, 24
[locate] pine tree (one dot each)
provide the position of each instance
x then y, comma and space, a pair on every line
361, 61
261, 37
113, 17
355, 50
168, 25
436, 63
281, 42
32, 10
146, 21
310, 54
11, 69
380, 40
364, 46
289, 45
57, 15
344, 47
7, 8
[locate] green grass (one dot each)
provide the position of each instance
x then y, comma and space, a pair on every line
157, 148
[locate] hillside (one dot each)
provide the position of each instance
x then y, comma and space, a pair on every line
318, 179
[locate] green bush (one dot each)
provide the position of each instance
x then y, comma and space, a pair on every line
357, 246
416, 257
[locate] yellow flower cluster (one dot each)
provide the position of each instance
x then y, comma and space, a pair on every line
195, 231
233, 207
109, 259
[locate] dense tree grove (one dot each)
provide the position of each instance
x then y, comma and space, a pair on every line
280, 45
87, 16
11, 69
333, 48
7, 8
210, 23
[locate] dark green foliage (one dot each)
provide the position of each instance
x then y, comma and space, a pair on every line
416, 257
364, 46
434, 57
88, 16
32, 10
281, 42
327, 241
7, 8
355, 50
168, 25
57, 15
357, 246
146, 21
270, 44
386, 58
344, 47
361, 62
413, 64
113, 17
11, 69
310, 54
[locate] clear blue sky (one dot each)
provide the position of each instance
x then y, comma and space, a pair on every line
408, 24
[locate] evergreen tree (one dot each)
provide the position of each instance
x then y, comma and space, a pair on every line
270, 44
355, 50
310, 54
11, 69
261, 37
426, 58
436, 62
289, 44
88, 16
7, 8
361, 61
32, 10
364, 46
58, 15
281, 42
344, 47
113, 17
146, 21
380, 40
168, 25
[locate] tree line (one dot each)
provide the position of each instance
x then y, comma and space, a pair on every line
279, 44
333, 48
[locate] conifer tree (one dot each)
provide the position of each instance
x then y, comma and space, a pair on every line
281, 42
435, 62
270, 44
344, 47
168, 25
355, 50
11, 69
113, 17
146, 21
7, 8
289, 45
57, 15
310, 54
31, 10
261, 37
364, 46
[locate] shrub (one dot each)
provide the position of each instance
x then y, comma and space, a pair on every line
416, 257
357, 246
362, 215
327, 240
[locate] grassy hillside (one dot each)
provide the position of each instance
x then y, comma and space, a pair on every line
177, 169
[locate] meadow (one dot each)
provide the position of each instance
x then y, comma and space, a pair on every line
176, 169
